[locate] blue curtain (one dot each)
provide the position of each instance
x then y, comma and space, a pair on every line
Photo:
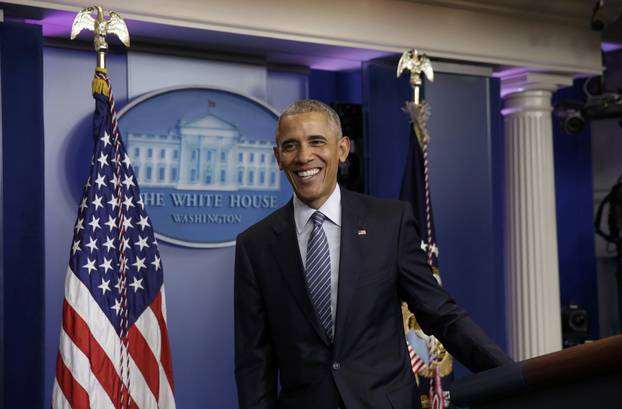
21, 241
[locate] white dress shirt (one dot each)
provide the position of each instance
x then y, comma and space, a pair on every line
332, 228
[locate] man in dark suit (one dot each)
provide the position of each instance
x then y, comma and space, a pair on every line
319, 284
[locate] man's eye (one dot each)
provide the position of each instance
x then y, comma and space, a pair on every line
287, 147
317, 142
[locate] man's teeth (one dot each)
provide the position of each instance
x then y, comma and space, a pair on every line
307, 173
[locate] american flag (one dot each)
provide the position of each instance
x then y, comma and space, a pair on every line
114, 348
416, 363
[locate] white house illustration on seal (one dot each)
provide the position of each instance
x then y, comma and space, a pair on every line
204, 154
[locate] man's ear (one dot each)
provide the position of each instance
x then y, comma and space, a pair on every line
344, 148
275, 150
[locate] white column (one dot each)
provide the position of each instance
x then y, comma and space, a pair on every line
531, 268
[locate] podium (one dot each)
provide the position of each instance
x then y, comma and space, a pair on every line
585, 376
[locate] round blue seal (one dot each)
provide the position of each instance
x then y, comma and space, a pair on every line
204, 162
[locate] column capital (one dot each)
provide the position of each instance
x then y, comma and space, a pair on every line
530, 92
533, 81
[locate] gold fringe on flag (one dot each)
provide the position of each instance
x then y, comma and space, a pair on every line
99, 85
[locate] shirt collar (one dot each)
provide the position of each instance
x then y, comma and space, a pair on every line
331, 209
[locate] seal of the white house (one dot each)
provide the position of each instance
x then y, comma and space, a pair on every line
204, 162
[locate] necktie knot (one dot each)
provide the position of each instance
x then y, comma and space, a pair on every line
318, 218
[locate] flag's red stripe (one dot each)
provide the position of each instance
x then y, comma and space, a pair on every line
133, 405
415, 361
101, 366
74, 393
127, 403
165, 351
145, 360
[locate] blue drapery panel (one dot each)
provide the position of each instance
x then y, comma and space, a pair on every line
22, 215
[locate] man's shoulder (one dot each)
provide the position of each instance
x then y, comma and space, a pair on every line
259, 229
371, 203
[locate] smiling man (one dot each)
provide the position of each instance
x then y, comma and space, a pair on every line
319, 284
309, 149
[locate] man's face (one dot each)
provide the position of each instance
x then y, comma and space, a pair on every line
308, 150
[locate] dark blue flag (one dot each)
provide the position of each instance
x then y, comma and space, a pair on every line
430, 362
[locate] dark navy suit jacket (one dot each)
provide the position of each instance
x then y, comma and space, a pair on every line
278, 337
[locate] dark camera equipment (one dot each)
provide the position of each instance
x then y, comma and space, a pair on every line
613, 201
570, 117
575, 322
603, 99
614, 218
603, 107
598, 20
600, 103
594, 86
351, 172
605, 13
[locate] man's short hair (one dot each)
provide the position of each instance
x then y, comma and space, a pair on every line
312, 105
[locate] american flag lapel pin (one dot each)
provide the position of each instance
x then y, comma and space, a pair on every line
361, 232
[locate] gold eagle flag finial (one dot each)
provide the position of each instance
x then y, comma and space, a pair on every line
417, 64
101, 26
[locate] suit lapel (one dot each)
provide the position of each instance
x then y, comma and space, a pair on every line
352, 228
285, 250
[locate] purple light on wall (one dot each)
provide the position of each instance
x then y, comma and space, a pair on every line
606, 47
55, 23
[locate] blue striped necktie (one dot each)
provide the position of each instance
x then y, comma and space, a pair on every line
317, 273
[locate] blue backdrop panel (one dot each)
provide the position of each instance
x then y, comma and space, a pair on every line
323, 85
465, 162
387, 127
285, 87
342, 86
22, 228
575, 212
199, 283
350, 87
147, 72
